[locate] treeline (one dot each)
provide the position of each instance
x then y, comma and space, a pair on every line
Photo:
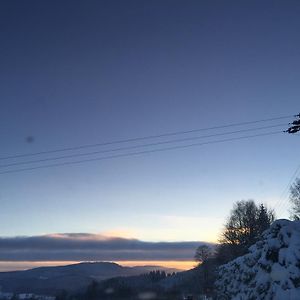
134, 287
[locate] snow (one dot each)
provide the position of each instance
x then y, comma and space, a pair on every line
270, 270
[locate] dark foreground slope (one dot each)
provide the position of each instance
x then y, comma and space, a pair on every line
155, 285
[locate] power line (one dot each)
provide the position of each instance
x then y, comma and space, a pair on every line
143, 138
284, 197
138, 146
140, 152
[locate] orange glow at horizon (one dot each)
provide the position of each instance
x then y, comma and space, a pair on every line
181, 265
6, 266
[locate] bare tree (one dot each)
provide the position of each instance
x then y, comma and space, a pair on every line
203, 252
244, 227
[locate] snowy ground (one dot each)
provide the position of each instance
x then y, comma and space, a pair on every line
271, 269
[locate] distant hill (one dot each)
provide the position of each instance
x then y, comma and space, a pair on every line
52, 280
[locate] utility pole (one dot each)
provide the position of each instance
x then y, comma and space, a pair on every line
295, 125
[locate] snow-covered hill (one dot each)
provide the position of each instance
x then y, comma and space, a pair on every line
271, 269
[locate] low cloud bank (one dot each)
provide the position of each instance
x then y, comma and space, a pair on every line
91, 247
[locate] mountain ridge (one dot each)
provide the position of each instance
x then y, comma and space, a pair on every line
51, 280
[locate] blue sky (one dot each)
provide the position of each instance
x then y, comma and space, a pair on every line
75, 73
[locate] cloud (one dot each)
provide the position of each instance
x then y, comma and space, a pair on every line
91, 247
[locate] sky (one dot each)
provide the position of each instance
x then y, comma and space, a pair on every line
77, 73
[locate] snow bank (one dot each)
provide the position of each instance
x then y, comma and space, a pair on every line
271, 269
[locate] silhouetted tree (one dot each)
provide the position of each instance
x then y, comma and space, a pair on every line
207, 275
157, 275
244, 227
63, 295
203, 252
295, 199
264, 219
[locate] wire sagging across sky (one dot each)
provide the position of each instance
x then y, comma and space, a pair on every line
138, 146
157, 145
140, 152
136, 139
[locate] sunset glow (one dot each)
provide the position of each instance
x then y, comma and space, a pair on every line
180, 265
25, 265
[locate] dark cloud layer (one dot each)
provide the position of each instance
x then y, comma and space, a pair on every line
82, 246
